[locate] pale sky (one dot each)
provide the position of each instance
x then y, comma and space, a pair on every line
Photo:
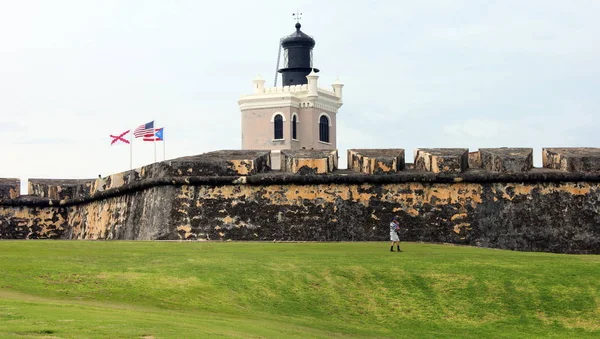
438, 73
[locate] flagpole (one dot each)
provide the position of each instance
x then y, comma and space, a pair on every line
164, 152
154, 137
131, 150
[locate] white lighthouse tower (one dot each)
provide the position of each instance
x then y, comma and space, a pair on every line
296, 115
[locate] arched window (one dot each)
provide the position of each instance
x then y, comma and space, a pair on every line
324, 129
278, 127
294, 122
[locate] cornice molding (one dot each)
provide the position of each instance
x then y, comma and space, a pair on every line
296, 97
261, 101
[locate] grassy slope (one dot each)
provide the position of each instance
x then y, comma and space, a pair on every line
80, 289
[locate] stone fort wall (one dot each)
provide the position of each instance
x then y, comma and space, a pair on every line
490, 198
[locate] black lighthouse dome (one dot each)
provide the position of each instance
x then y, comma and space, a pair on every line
298, 38
298, 60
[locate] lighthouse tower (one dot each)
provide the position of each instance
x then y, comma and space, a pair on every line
296, 115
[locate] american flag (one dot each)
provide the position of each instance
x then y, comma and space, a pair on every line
144, 129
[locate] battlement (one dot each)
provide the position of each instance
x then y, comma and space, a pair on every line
326, 91
364, 165
284, 89
309, 161
281, 95
585, 159
60, 189
376, 161
10, 188
212, 164
300, 90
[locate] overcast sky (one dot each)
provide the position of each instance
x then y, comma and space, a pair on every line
439, 73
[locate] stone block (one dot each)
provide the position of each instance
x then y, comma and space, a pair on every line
307, 162
507, 160
10, 188
442, 160
60, 189
572, 159
474, 159
376, 161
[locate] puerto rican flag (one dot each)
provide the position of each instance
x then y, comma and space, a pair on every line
157, 136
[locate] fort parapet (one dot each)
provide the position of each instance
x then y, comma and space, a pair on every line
491, 198
57, 189
10, 188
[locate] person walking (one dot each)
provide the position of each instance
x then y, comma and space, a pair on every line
394, 231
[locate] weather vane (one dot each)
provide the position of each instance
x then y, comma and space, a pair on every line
297, 16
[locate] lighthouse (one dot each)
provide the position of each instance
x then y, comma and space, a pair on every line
297, 57
298, 114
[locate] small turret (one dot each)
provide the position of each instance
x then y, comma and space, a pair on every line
312, 84
337, 88
259, 84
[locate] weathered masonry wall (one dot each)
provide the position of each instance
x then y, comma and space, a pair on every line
507, 205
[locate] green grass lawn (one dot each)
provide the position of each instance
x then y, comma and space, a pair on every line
118, 289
